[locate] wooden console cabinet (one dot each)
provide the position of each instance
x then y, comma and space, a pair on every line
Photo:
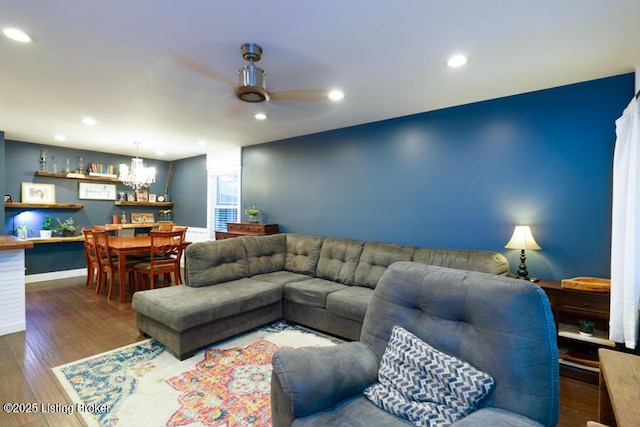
236, 229
579, 353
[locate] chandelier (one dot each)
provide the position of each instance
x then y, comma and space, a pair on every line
137, 176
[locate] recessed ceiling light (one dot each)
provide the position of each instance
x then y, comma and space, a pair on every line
260, 116
60, 138
202, 143
457, 61
160, 153
89, 121
17, 35
336, 95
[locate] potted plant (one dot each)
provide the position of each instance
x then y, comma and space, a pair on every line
22, 231
254, 213
586, 327
67, 227
45, 227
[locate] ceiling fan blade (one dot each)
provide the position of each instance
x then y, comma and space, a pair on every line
201, 68
236, 109
313, 95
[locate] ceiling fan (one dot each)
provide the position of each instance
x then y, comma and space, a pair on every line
251, 86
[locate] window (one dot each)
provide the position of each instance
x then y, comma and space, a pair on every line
226, 195
223, 169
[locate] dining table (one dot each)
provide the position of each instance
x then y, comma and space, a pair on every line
123, 246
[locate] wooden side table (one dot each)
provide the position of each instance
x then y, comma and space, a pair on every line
568, 306
619, 399
237, 229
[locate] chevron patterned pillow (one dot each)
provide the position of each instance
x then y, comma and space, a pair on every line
425, 386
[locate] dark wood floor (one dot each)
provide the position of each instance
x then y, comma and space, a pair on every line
66, 322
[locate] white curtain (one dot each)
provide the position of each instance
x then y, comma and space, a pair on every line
625, 232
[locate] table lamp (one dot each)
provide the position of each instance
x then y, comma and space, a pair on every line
522, 239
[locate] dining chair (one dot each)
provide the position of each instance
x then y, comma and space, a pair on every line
179, 256
93, 266
171, 227
164, 258
108, 265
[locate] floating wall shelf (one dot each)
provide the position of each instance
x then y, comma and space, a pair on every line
43, 205
71, 175
158, 204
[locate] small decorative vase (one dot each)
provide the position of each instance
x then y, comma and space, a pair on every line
80, 165
45, 234
68, 233
254, 218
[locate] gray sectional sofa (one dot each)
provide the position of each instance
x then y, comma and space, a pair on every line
501, 326
325, 283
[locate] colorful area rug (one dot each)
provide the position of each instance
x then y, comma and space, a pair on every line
226, 384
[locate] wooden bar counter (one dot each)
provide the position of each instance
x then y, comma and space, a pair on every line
12, 292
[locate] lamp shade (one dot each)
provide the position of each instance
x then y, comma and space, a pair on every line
522, 239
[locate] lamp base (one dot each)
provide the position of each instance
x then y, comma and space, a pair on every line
522, 268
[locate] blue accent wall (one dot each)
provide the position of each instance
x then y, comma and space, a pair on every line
189, 191
460, 177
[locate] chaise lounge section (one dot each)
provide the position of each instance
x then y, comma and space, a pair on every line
326, 283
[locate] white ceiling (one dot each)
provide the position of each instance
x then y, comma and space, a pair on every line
116, 61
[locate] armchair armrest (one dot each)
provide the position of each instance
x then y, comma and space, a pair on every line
318, 378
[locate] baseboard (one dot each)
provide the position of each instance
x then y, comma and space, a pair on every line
13, 327
55, 275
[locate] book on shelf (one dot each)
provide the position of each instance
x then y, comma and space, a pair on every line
582, 358
573, 364
100, 169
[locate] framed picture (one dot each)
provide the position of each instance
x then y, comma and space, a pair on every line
152, 198
96, 191
7, 198
131, 196
142, 217
142, 195
38, 193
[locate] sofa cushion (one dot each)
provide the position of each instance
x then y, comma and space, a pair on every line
281, 277
462, 259
265, 253
311, 292
183, 307
350, 303
496, 417
216, 261
302, 253
338, 260
425, 386
376, 257
490, 321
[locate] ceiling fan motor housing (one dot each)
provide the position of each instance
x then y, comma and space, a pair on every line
252, 86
